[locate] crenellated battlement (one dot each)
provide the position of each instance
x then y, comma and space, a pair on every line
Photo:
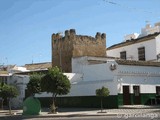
72, 33
73, 45
100, 36
56, 36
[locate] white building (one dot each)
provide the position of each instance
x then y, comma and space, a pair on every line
129, 82
20, 82
143, 47
19, 77
6, 75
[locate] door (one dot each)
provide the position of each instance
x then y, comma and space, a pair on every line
126, 95
158, 90
136, 95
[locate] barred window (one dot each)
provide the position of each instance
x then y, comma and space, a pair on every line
141, 54
123, 55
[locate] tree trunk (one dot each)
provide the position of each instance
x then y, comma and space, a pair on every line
101, 105
53, 108
2, 104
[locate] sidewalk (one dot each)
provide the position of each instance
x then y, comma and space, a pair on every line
71, 112
63, 112
139, 106
78, 112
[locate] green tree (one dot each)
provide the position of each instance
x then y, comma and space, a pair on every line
8, 92
55, 82
33, 85
102, 92
1, 85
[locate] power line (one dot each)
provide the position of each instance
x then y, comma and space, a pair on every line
131, 8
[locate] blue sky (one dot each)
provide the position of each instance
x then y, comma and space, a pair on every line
26, 26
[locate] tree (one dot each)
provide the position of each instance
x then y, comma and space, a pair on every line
8, 92
102, 92
33, 85
55, 82
1, 85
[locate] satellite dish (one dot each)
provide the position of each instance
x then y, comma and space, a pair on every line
113, 66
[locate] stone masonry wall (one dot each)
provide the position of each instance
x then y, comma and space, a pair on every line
72, 45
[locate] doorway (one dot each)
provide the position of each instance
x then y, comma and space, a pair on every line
136, 95
126, 95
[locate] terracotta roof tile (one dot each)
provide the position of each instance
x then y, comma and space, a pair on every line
36, 66
138, 63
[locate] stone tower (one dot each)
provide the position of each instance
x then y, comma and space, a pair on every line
72, 45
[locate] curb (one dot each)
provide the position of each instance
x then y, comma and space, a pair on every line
54, 115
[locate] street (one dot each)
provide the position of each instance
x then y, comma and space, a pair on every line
94, 118
83, 118
115, 117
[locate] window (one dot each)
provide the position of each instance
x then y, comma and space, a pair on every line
123, 55
141, 53
157, 90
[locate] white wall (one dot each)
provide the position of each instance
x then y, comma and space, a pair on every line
158, 44
132, 50
97, 75
93, 72
94, 76
145, 77
20, 81
97, 72
89, 88
90, 77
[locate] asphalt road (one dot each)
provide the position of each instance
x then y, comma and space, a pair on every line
86, 118
94, 118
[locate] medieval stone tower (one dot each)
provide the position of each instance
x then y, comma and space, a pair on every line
64, 48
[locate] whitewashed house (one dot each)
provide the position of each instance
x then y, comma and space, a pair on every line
20, 82
21, 79
129, 82
7, 76
145, 47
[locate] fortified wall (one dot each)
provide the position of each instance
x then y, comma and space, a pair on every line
72, 45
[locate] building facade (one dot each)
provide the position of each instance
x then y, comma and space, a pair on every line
19, 77
64, 48
143, 47
20, 82
129, 82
